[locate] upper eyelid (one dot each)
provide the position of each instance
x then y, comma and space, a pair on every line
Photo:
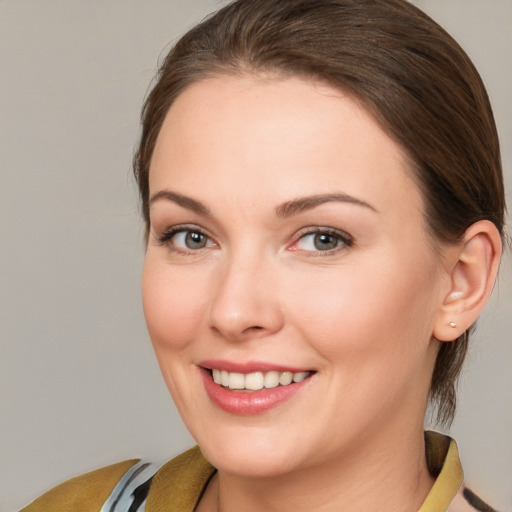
323, 229
185, 227
347, 241
168, 233
165, 239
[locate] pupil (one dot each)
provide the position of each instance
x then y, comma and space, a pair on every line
325, 242
195, 240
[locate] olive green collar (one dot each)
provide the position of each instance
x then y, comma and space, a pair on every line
180, 483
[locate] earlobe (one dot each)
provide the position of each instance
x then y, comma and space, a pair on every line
474, 267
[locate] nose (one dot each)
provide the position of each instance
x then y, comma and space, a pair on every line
245, 303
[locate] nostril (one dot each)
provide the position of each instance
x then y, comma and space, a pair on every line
253, 329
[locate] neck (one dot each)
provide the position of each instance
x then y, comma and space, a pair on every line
389, 477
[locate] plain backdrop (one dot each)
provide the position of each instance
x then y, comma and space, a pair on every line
79, 384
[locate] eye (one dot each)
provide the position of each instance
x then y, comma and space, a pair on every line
190, 240
322, 240
186, 239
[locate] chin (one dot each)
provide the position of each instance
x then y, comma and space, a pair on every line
256, 454
251, 463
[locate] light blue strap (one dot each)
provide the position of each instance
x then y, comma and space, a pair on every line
122, 497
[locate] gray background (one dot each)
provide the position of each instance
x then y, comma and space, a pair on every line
79, 384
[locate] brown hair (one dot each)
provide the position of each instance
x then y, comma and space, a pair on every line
409, 73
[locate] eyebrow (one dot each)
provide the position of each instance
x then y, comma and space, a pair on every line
301, 204
181, 200
287, 209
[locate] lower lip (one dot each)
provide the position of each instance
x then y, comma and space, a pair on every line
249, 403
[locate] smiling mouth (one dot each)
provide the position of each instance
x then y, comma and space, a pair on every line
252, 388
256, 381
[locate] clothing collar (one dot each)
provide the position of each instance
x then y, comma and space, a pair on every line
180, 483
444, 464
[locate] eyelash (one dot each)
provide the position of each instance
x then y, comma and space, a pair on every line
166, 238
344, 239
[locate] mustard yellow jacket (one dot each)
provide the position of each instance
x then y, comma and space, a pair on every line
178, 485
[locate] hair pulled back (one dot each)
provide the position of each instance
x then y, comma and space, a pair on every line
409, 73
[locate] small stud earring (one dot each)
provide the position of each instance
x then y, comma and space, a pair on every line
452, 324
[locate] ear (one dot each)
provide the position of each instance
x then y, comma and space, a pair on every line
472, 266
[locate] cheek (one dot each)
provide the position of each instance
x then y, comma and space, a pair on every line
371, 330
360, 310
174, 303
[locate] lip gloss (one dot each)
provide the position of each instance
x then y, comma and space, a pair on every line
248, 403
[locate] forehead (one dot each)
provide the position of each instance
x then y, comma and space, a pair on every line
280, 137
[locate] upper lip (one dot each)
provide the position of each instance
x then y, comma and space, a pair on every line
249, 366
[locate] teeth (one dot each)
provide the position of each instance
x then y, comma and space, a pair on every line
236, 381
257, 380
286, 378
300, 376
271, 380
254, 381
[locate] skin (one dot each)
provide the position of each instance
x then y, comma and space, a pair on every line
362, 315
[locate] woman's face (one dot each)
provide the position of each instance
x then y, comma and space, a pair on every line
287, 242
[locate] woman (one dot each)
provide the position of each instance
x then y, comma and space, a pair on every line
322, 191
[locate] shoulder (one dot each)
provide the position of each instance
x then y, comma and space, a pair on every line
180, 483
130, 485
87, 492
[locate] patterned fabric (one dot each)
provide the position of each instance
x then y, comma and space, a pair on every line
179, 484
85, 493
130, 494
